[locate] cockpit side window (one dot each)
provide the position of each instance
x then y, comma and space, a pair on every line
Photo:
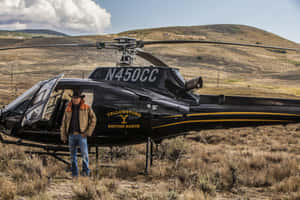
53, 104
89, 96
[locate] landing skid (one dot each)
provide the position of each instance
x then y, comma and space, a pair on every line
55, 152
48, 150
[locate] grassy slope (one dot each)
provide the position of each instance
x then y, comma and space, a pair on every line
266, 73
260, 163
29, 33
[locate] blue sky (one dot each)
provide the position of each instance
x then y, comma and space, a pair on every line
76, 17
277, 16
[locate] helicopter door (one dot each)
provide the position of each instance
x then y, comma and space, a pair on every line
38, 105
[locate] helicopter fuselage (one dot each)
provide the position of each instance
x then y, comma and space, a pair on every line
134, 103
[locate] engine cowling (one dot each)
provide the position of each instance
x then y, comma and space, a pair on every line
194, 83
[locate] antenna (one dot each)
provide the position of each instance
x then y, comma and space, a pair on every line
11, 79
218, 77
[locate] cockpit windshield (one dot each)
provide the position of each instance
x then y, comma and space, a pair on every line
19, 104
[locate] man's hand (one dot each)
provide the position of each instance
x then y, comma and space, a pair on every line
83, 135
64, 140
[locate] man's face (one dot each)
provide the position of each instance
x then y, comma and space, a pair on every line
76, 100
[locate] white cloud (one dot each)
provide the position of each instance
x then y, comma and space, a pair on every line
70, 16
13, 26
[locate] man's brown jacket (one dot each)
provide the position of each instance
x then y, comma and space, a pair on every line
87, 120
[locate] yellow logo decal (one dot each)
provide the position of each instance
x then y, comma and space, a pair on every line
123, 114
124, 117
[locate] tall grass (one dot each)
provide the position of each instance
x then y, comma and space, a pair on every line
184, 168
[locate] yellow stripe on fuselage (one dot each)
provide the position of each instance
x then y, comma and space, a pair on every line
219, 120
232, 113
241, 113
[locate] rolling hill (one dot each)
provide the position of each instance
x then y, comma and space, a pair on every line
225, 69
29, 33
41, 31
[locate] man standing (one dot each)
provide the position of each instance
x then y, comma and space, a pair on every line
78, 123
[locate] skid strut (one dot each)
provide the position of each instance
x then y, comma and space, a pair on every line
97, 159
149, 155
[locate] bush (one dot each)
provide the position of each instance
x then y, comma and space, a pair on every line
194, 195
173, 149
8, 155
199, 58
198, 181
86, 189
130, 168
123, 152
288, 185
7, 189
264, 169
30, 176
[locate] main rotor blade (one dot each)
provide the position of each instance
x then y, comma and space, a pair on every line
213, 42
51, 45
149, 57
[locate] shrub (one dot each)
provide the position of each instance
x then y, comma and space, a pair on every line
86, 189
111, 185
8, 155
123, 152
7, 189
194, 195
173, 149
198, 181
199, 58
22, 170
288, 185
30, 176
130, 168
172, 195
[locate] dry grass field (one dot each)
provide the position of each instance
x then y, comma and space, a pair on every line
241, 163
244, 163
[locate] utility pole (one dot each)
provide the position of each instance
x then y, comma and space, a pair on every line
218, 78
11, 78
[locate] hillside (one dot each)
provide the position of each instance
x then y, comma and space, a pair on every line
29, 33
263, 72
228, 32
41, 31
241, 163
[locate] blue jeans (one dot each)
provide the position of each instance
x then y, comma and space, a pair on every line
74, 141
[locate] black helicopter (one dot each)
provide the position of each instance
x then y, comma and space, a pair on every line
136, 104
